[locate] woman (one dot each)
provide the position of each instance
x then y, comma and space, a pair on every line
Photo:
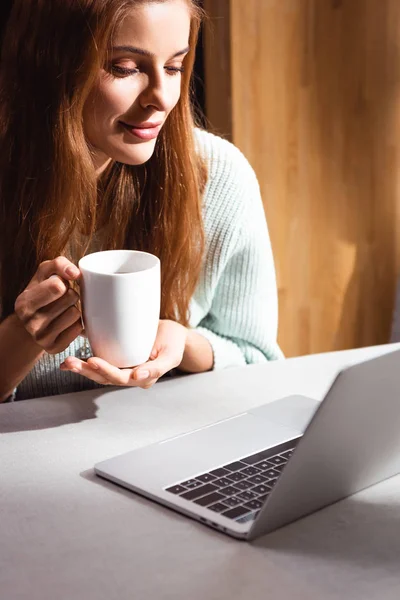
99, 151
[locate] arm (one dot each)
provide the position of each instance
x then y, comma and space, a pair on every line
242, 321
46, 319
198, 355
18, 354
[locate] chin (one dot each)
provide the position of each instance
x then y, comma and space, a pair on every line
136, 155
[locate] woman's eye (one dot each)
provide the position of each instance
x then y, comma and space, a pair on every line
123, 71
174, 70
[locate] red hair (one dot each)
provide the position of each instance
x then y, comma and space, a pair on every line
50, 201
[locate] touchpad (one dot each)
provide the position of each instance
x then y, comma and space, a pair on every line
293, 411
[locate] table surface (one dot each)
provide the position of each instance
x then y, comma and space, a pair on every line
67, 534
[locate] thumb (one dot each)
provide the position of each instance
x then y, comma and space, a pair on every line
154, 369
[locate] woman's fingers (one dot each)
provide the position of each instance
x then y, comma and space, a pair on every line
41, 318
79, 366
47, 307
101, 371
60, 266
113, 375
55, 309
65, 338
98, 370
48, 336
37, 297
166, 355
49, 283
146, 375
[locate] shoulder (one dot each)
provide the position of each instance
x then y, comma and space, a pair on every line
232, 193
223, 159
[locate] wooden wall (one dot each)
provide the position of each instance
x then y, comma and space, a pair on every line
309, 90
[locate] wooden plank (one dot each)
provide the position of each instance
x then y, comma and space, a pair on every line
316, 110
315, 107
217, 67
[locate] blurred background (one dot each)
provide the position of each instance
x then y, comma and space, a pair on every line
309, 90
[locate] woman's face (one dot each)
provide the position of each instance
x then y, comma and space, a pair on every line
140, 84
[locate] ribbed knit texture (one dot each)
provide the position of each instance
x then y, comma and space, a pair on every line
235, 302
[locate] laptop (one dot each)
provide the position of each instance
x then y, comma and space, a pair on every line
260, 470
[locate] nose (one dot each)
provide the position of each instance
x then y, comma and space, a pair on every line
156, 94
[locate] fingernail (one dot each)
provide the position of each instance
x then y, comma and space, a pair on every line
93, 365
142, 374
71, 272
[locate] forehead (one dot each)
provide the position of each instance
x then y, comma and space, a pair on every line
159, 27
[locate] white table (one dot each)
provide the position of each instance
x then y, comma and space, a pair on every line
67, 535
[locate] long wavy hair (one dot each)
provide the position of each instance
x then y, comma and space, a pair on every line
50, 200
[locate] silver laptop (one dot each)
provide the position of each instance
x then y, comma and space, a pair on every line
257, 471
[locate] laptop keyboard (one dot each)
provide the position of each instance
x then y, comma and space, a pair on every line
238, 489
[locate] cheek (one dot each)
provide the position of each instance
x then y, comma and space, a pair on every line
114, 98
110, 103
177, 94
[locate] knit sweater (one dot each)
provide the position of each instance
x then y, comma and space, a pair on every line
235, 302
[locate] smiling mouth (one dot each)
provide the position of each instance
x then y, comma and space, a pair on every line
143, 132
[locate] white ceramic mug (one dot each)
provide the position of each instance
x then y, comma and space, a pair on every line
120, 292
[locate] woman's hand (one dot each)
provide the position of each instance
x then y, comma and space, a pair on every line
47, 307
167, 354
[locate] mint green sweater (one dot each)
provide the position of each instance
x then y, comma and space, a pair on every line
235, 302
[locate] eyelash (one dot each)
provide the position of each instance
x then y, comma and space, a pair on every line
128, 72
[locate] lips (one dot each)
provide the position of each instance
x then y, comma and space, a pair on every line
144, 131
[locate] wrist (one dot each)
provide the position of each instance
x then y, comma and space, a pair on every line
18, 353
22, 335
198, 355
23, 338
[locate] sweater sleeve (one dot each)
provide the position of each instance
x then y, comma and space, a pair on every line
241, 324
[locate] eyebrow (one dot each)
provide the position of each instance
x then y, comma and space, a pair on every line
143, 52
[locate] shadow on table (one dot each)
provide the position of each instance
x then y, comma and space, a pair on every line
354, 531
46, 413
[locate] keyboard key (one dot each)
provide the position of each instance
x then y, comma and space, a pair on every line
206, 477
257, 479
254, 504
271, 473
263, 498
236, 512
191, 483
222, 482
176, 489
244, 485
270, 483
247, 496
236, 476
221, 472
250, 471
235, 466
287, 454
263, 466
285, 450
279, 468
229, 491
255, 458
209, 499
233, 501
261, 489
217, 507
277, 460
200, 491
